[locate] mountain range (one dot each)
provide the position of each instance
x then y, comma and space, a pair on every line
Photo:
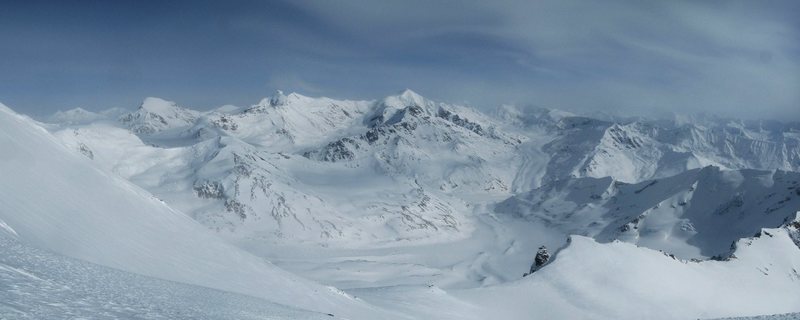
404, 207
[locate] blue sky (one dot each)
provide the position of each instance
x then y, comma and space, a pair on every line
736, 58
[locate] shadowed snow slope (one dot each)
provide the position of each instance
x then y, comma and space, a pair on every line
54, 199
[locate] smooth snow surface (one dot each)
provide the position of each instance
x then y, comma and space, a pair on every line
36, 284
588, 280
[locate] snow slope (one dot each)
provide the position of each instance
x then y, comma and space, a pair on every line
57, 200
589, 280
37, 284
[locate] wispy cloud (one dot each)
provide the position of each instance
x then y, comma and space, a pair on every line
737, 58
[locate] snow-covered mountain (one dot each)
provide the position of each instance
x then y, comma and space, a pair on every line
695, 214
424, 208
637, 283
266, 171
61, 203
155, 115
640, 150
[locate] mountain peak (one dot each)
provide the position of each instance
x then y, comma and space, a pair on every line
410, 96
74, 116
156, 114
157, 105
404, 99
279, 98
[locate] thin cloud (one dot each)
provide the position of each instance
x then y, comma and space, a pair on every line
731, 58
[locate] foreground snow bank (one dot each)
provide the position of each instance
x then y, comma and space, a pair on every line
618, 280
36, 284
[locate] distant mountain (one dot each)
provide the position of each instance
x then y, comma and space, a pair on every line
695, 214
155, 115
267, 171
79, 116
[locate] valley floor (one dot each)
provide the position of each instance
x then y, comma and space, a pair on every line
500, 249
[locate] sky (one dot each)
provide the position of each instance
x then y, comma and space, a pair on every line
731, 58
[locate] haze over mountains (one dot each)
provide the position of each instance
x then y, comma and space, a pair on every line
415, 208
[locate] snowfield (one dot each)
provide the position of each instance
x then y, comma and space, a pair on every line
37, 284
398, 208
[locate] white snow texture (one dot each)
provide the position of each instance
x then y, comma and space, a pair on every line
400, 208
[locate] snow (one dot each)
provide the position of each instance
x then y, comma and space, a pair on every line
59, 202
36, 284
157, 105
155, 115
588, 280
785, 316
696, 214
419, 209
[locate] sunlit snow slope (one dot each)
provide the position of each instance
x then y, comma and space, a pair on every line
36, 284
588, 280
54, 199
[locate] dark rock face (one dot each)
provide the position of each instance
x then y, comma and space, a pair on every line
339, 150
461, 122
84, 149
542, 257
225, 122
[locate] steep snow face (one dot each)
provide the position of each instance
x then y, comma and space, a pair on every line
637, 283
60, 202
156, 115
696, 214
